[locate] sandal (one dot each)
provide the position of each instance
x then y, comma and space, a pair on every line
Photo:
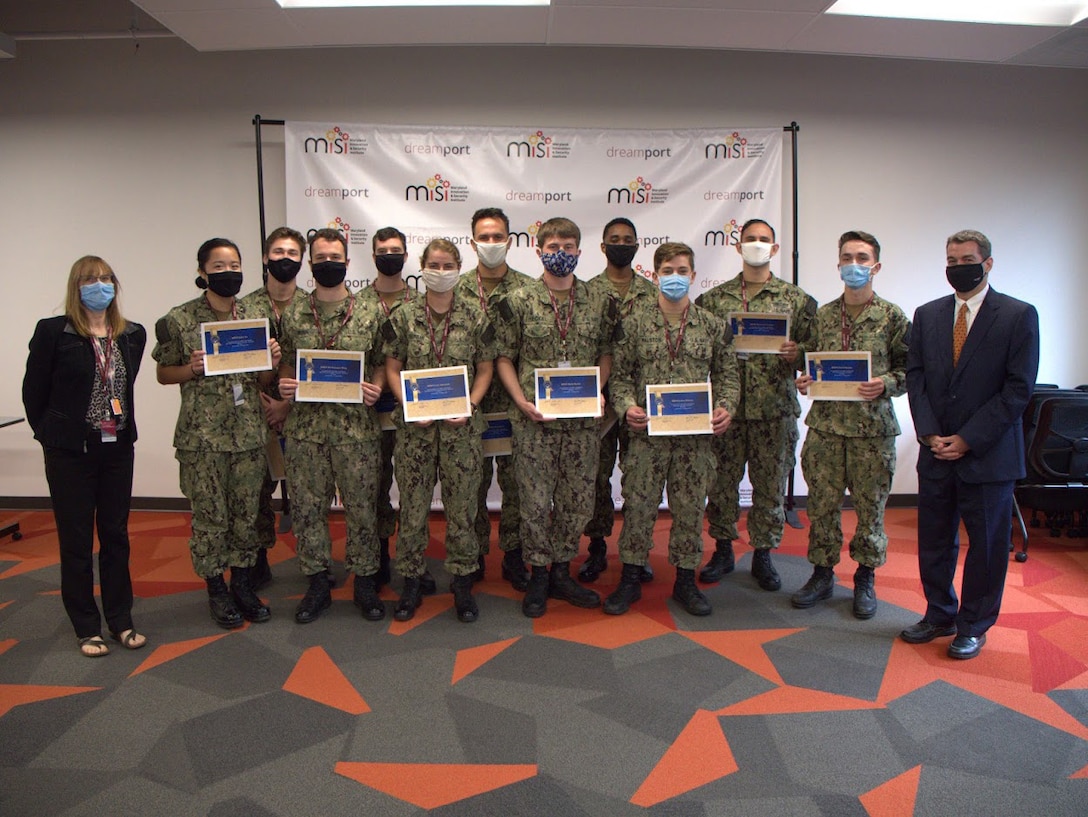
129, 639
93, 646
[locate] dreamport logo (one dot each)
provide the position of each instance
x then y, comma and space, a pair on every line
336, 142
735, 146
353, 237
436, 190
727, 236
538, 146
638, 191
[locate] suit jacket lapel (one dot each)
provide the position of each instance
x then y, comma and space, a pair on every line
985, 318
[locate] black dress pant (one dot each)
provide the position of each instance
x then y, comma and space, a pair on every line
93, 489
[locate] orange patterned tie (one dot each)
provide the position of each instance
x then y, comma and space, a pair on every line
959, 334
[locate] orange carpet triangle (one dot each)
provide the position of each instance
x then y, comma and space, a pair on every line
168, 652
745, 648
13, 695
1080, 775
789, 699
433, 785
316, 677
470, 660
432, 606
699, 755
896, 797
7, 644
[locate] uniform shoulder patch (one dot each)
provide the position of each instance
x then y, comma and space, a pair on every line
162, 330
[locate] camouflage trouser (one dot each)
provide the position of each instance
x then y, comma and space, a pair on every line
315, 471
266, 516
687, 465
555, 472
387, 514
604, 509
831, 465
224, 491
450, 454
770, 449
510, 517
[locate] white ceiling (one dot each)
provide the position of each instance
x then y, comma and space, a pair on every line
797, 26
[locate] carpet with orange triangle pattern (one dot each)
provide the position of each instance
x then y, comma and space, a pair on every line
758, 709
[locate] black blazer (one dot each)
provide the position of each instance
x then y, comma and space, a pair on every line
984, 396
60, 376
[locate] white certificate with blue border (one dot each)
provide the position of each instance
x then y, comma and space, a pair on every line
837, 375
674, 409
435, 394
329, 376
568, 391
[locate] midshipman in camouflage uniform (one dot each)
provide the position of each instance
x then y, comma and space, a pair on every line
673, 342
851, 445
764, 430
219, 437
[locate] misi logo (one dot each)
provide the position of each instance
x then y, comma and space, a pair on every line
727, 236
638, 191
353, 237
526, 238
645, 272
436, 190
538, 146
736, 146
337, 142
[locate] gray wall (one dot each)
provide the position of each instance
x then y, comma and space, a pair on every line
138, 156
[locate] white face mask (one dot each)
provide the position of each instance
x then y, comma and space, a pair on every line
440, 280
756, 253
491, 255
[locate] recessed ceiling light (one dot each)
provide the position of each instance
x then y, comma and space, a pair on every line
1006, 12
311, 4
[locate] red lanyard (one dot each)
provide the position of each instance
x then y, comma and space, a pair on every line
104, 359
743, 294
847, 328
328, 343
675, 350
480, 291
439, 351
563, 328
385, 308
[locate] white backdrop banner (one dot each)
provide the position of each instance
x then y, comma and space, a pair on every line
695, 186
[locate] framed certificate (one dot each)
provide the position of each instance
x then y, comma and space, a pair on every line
329, 376
568, 392
678, 408
498, 437
837, 375
231, 347
385, 407
759, 332
435, 394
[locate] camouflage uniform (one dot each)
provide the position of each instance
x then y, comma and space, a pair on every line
851, 445
641, 293
334, 445
219, 446
258, 304
686, 463
387, 514
555, 461
764, 432
495, 401
439, 451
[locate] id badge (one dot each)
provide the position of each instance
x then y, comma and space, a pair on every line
109, 431
115, 406
563, 364
239, 395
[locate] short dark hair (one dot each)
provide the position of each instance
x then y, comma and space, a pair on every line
752, 221
489, 212
387, 233
284, 232
205, 251
963, 236
328, 234
865, 238
614, 222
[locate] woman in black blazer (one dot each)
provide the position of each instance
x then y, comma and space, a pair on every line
78, 398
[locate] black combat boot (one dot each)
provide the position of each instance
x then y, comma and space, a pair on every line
411, 597
478, 574
562, 586
820, 586
317, 600
365, 596
628, 592
427, 585
224, 612
763, 570
513, 570
596, 563
722, 561
463, 603
535, 603
688, 595
864, 592
384, 574
261, 574
249, 604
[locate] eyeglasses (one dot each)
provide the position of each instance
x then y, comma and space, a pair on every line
105, 278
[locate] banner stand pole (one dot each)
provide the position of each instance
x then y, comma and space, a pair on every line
793, 518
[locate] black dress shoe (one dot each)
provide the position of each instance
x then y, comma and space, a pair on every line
923, 632
966, 646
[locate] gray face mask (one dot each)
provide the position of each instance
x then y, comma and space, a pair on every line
437, 280
491, 255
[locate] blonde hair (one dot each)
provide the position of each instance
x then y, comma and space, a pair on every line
441, 245
73, 305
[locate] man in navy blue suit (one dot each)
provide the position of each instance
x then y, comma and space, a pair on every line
971, 370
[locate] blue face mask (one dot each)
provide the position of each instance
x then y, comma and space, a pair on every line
674, 287
560, 264
855, 276
97, 296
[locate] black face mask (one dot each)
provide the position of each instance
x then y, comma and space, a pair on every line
330, 273
283, 269
964, 277
620, 255
224, 284
390, 263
